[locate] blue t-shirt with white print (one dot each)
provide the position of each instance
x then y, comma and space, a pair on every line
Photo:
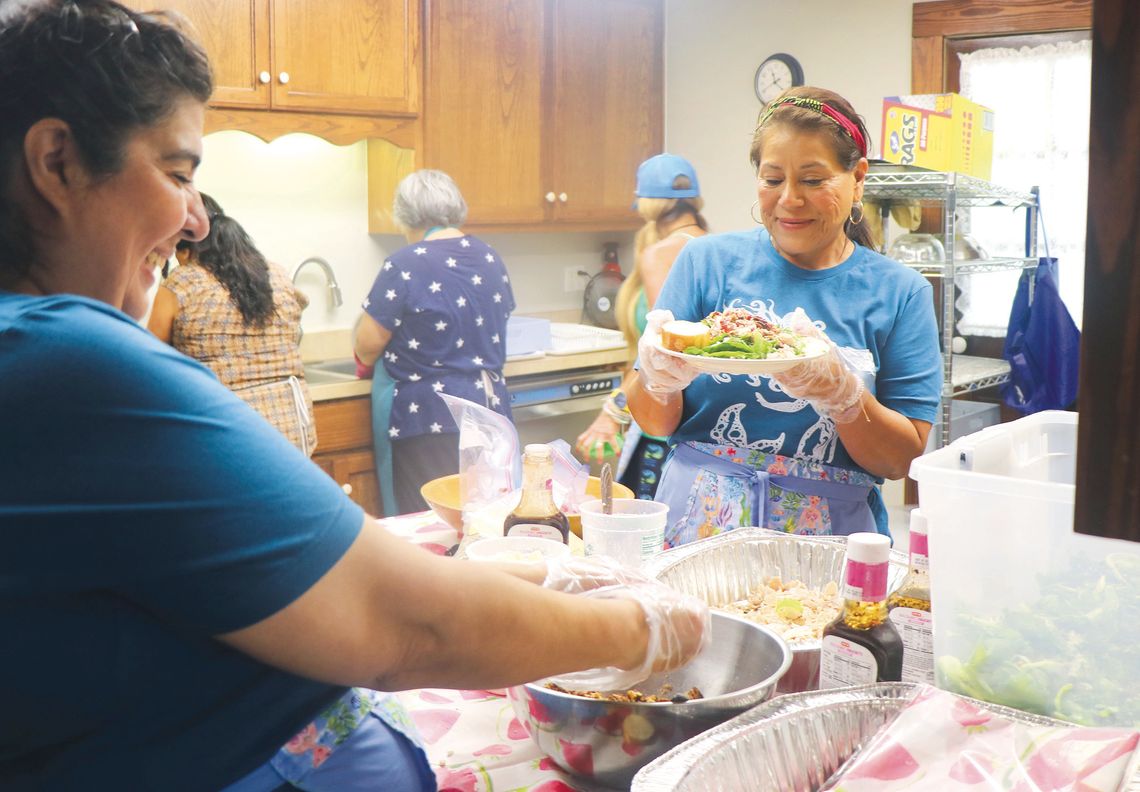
868, 302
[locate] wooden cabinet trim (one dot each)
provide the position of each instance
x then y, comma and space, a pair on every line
339, 130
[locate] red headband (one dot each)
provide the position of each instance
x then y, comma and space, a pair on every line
845, 123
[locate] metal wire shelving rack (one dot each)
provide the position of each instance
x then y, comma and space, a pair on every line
887, 184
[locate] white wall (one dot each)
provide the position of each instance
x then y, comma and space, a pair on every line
712, 48
301, 196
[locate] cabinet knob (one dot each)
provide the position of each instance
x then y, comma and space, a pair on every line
347, 488
550, 197
264, 77
562, 197
283, 77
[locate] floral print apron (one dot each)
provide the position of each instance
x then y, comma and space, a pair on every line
713, 488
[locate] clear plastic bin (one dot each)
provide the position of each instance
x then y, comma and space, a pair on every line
1027, 613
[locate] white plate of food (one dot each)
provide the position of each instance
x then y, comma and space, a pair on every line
737, 342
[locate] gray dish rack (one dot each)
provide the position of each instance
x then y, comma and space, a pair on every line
887, 184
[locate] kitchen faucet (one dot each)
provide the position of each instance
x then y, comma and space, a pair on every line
330, 276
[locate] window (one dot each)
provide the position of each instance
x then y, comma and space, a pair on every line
1040, 97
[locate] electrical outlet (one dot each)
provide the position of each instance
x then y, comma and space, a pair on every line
573, 280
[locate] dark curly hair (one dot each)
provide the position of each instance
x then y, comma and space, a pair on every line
847, 153
229, 255
105, 70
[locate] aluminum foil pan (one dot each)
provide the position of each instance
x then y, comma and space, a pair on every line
723, 569
792, 743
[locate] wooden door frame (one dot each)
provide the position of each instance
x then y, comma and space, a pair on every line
935, 23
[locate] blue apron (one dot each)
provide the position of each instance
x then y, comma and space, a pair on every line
383, 389
363, 741
714, 488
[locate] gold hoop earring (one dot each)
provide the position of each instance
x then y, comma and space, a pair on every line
752, 212
857, 205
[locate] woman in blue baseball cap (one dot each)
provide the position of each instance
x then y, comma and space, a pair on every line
669, 200
805, 450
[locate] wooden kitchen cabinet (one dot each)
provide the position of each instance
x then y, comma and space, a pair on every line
353, 57
344, 448
542, 109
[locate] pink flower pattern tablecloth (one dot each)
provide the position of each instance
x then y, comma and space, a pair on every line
472, 737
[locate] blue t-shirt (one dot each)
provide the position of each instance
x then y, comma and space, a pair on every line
446, 303
144, 508
868, 302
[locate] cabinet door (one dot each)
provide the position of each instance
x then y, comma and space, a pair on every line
484, 105
607, 112
355, 472
235, 34
349, 56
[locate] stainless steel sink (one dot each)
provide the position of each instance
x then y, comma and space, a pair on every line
323, 372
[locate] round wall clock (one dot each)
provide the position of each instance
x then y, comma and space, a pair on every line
777, 74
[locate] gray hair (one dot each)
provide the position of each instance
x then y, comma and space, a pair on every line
427, 198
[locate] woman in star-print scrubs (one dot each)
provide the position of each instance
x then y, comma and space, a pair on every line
437, 319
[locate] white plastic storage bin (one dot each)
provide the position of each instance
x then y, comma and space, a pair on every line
1027, 613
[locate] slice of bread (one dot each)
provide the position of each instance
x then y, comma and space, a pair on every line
678, 335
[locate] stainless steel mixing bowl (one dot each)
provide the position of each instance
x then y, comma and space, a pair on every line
606, 742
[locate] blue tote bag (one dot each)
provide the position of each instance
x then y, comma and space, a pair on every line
1042, 345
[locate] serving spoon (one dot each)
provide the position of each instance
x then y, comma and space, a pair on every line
607, 489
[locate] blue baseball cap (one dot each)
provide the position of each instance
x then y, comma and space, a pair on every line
657, 175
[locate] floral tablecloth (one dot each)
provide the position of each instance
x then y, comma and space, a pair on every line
472, 737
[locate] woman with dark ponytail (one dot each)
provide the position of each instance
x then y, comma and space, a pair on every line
229, 308
805, 450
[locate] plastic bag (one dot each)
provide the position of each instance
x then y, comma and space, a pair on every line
943, 742
490, 464
570, 477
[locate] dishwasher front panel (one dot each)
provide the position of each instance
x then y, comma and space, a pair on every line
556, 406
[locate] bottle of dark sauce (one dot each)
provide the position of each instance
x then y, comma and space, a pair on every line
909, 608
862, 646
536, 514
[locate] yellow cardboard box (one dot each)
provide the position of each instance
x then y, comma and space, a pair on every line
943, 132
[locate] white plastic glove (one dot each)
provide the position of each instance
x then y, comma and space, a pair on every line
679, 628
574, 575
661, 373
833, 390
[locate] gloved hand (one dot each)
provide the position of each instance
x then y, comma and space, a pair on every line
833, 390
603, 438
575, 575
679, 628
661, 373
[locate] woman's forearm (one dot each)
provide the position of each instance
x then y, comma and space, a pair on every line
511, 631
653, 416
883, 442
391, 616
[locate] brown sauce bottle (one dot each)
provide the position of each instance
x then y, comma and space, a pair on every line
537, 514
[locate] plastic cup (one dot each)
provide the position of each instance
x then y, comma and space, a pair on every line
631, 535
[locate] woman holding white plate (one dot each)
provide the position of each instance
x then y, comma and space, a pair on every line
802, 450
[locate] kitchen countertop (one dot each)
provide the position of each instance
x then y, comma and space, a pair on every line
335, 345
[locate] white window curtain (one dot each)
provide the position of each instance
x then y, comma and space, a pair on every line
1040, 98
